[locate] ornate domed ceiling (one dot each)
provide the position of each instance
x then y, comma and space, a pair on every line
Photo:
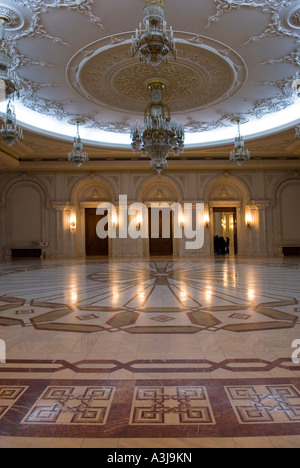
235, 58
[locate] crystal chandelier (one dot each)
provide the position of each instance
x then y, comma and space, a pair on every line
77, 156
239, 153
8, 80
160, 134
154, 45
296, 86
11, 133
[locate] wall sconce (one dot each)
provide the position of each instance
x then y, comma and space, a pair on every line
114, 221
224, 223
139, 220
73, 223
249, 221
206, 221
181, 221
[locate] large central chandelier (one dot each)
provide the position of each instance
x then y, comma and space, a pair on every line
77, 156
11, 133
160, 134
154, 44
8, 80
239, 154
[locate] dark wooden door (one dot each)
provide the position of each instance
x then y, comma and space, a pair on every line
160, 246
94, 245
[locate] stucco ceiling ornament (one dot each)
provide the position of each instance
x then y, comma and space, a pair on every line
227, 6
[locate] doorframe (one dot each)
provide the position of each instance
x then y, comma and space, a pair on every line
227, 204
82, 223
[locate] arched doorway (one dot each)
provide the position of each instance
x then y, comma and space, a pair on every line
228, 198
159, 194
87, 195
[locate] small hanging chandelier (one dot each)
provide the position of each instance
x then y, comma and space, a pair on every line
154, 45
77, 156
296, 86
297, 131
160, 134
239, 154
8, 79
11, 133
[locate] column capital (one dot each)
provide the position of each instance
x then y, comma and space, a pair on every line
260, 204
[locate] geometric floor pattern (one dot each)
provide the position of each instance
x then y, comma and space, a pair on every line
151, 409
116, 350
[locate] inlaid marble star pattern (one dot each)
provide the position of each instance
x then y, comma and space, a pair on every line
131, 296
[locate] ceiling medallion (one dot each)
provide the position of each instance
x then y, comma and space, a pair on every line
77, 156
160, 134
154, 45
293, 18
239, 154
201, 77
14, 20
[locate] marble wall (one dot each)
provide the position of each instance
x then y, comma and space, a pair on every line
39, 207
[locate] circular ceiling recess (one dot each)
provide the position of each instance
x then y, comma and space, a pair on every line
74, 62
294, 18
200, 77
14, 19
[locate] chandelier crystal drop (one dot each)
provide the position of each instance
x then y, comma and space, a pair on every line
8, 80
154, 44
11, 132
239, 154
160, 135
77, 156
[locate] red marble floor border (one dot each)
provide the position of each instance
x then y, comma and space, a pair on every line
118, 421
168, 366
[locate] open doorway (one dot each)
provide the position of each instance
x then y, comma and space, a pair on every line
225, 231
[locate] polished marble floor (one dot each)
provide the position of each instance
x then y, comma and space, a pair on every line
175, 351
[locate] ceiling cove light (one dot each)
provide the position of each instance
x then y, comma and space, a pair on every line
10, 133
239, 154
154, 44
160, 134
77, 156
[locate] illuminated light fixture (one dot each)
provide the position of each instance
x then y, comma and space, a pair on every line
77, 156
8, 80
11, 132
207, 221
161, 135
249, 221
114, 221
224, 224
139, 220
181, 221
239, 154
154, 44
73, 223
